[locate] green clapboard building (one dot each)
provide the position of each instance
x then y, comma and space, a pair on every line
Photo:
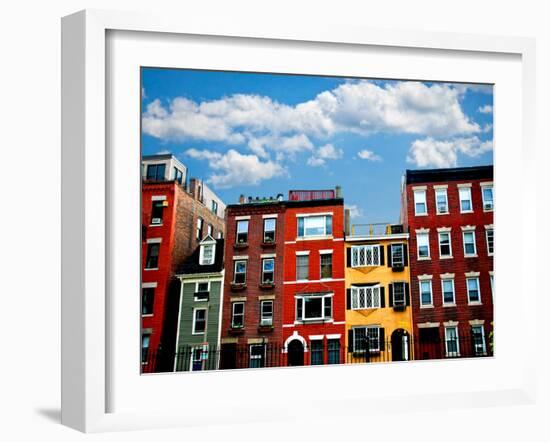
199, 320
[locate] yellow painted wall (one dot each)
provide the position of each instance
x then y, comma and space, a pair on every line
385, 317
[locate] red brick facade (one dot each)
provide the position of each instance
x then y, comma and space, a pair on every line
458, 267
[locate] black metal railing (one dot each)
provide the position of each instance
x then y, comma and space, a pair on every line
233, 356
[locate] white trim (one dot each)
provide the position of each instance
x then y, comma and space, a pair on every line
193, 332
428, 324
450, 324
423, 200
233, 299
316, 337
477, 322
425, 277
270, 215
422, 230
447, 275
471, 274
268, 255
338, 239
443, 281
242, 218
316, 238
420, 282
240, 257
302, 252
468, 228
338, 322
202, 246
158, 198
464, 185
469, 255
334, 335
295, 335
148, 285
290, 242
489, 227
443, 229
440, 186
307, 215
446, 201
415, 188
390, 237
212, 277
154, 240
307, 281
445, 232
486, 184
325, 252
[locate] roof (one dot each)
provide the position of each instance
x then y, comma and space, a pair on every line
191, 265
449, 174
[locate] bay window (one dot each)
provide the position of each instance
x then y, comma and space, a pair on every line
314, 307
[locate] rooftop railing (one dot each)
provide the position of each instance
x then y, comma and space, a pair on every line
311, 195
376, 229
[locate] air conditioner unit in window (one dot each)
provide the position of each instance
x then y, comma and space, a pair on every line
266, 322
156, 221
488, 206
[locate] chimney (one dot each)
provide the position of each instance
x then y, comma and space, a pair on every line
242, 199
193, 187
347, 222
338, 192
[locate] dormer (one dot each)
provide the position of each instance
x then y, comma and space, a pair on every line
207, 254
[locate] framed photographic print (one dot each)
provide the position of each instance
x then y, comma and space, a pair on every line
258, 213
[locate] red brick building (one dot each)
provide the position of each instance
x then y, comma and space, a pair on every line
449, 215
251, 329
314, 279
175, 218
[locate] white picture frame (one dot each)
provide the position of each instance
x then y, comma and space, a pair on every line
86, 234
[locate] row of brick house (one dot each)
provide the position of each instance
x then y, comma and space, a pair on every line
292, 282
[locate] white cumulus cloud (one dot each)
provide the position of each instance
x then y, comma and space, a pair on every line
444, 153
324, 153
487, 109
354, 211
368, 155
233, 168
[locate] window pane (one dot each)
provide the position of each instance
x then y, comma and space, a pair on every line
426, 292
441, 200
465, 199
314, 226
397, 255
313, 308
316, 352
326, 266
333, 346
302, 267
448, 291
487, 198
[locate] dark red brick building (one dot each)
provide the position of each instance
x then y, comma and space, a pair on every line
175, 218
449, 215
252, 304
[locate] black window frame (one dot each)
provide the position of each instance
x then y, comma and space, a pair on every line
157, 212
156, 167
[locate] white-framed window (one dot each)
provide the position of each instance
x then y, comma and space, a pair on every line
420, 207
366, 256
196, 359
491, 277
257, 355
242, 231
239, 276
199, 321
452, 344
487, 196
157, 212
269, 229
448, 291
478, 340
314, 225
268, 270
214, 207
302, 267
199, 228
207, 253
209, 229
423, 245
441, 201
445, 248
489, 234
465, 197
398, 293
266, 313
237, 315
469, 241
202, 291
145, 340
360, 336
426, 298
326, 265
472, 285
397, 255
314, 307
365, 297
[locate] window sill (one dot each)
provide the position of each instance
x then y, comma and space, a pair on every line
312, 238
420, 214
236, 331
446, 257
237, 287
268, 244
151, 268
471, 256
449, 305
265, 329
155, 225
475, 303
426, 306
467, 211
198, 334
242, 245
313, 321
444, 213
267, 286
147, 315
488, 210
426, 258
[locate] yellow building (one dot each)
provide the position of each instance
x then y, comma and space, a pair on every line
378, 307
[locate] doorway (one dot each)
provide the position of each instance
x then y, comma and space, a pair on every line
295, 353
400, 345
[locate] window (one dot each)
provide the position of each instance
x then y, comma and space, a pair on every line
320, 225
451, 342
362, 334
469, 239
199, 321
199, 228
333, 346
317, 352
152, 261
269, 230
426, 294
147, 299
445, 244
302, 267
399, 299
441, 202
156, 212
448, 289
478, 340
196, 359
365, 297
420, 202
423, 243
240, 272
202, 290
397, 255
237, 316
266, 315
209, 229
366, 256
242, 231
268, 270
178, 175
490, 241
465, 196
473, 290
491, 276
257, 356
487, 195
214, 207
313, 307
206, 254
155, 172
326, 265
145, 339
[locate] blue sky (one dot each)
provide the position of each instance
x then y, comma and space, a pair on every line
263, 134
